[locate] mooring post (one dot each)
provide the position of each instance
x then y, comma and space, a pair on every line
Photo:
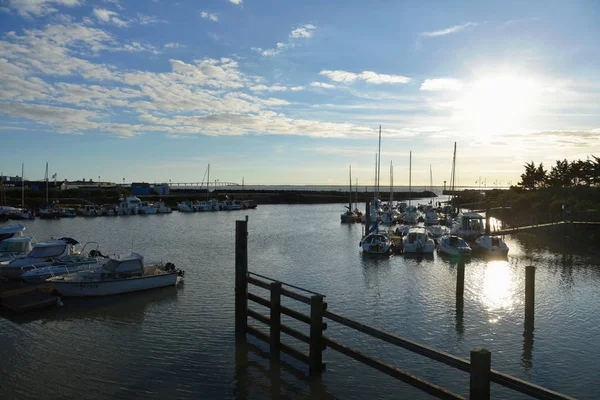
481, 363
275, 331
487, 217
529, 296
367, 216
460, 280
315, 355
241, 276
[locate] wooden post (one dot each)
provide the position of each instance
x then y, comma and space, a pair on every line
315, 355
241, 276
460, 280
367, 216
529, 296
275, 332
487, 217
481, 363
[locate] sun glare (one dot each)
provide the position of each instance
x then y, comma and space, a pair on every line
497, 104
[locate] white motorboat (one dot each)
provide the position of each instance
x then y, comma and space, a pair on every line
418, 241
161, 207
21, 213
67, 265
431, 217
492, 244
145, 207
14, 247
453, 246
118, 275
376, 243
186, 206
67, 212
9, 231
129, 205
468, 225
41, 255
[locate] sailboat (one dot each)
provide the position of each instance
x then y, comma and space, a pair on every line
48, 212
390, 215
349, 217
375, 241
21, 213
410, 216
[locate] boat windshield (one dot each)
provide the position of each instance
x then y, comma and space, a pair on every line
6, 236
47, 251
13, 247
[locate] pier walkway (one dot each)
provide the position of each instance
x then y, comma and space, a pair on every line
517, 229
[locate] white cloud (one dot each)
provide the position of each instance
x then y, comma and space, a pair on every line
367, 76
173, 45
143, 19
110, 17
37, 8
297, 88
322, 84
440, 84
274, 88
206, 15
236, 1
304, 31
447, 31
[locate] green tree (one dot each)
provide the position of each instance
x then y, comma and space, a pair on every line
534, 177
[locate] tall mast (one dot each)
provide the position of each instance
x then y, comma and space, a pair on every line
409, 177
350, 198
208, 182
23, 185
452, 183
379, 163
356, 194
430, 182
391, 183
46, 178
375, 186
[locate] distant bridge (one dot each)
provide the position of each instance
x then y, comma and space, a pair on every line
201, 185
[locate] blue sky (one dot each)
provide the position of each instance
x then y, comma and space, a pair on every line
292, 92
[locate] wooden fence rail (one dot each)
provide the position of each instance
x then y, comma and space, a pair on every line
479, 365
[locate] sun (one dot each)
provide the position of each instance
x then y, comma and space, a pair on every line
498, 104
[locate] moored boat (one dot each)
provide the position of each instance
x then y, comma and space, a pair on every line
376, 243
41, 255
453, 245
118, 275
14, 247
418, 241
11, 231
491, 245
468, 225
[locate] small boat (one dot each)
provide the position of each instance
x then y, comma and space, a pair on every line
67, 265
20, 214
418, 241
161, 207
436, 231
468, 225
145, 207
410, 216
118, 275
67, 212
129, 205
41, 255
9, 231
186, 206
491, 245
376, 243
49, 213
453, 246
234, 205
431, 217
14, 247
88, 210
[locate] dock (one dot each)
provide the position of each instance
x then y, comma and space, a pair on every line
518, 229
21, 297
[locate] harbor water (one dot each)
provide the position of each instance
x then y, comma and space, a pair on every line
178, 342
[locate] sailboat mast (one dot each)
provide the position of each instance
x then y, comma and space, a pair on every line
208, 182
379, 163
391, 183
46, 177
452, 183
409, 177
23, 185
350, 197
375, 186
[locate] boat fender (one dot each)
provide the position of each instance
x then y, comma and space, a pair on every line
59, 302
180, 273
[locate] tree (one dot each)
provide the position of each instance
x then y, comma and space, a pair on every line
559, 175
534, 177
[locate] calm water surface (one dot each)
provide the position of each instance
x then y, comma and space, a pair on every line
178, 342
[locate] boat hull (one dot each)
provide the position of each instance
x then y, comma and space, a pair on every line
112, 287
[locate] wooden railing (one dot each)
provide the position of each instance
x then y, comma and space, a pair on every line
479, 365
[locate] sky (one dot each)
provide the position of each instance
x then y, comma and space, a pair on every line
294, 92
